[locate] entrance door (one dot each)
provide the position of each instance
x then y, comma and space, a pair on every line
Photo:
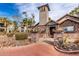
52, 31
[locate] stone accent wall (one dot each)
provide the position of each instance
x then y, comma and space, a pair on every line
69, 23
72, 37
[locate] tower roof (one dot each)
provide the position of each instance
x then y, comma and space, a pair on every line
45, 5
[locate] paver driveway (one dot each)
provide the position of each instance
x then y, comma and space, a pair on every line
36, 49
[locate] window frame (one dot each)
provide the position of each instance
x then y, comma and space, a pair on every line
68, 31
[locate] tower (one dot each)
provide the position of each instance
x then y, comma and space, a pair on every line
43, 14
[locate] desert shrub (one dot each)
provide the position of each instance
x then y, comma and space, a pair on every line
21, 36
2, 33
60, 43
10, 34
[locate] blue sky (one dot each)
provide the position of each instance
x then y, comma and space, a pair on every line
15, 9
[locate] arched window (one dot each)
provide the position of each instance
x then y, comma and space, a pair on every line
42, 9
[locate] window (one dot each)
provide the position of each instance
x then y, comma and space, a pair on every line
42, 9
1, 24
69, 29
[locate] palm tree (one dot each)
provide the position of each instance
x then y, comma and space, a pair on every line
25, 21
33, 21
17, 19
28, 21
15, 24
24, 13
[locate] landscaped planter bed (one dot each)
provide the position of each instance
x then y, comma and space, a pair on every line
66, 48
65, 51
59, 47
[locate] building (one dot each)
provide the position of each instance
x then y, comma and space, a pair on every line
43, 14
50, 27
3, 24
6, 25
46, 26
45, 23
10, 28
22, 28
67, 25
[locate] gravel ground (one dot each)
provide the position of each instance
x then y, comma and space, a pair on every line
11, 41
21, 48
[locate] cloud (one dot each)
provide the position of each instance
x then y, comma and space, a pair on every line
60, 9
30, 9
57, 9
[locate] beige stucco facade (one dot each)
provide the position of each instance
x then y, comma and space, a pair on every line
43, 15
5, 23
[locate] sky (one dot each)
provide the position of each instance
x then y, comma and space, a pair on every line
57, 10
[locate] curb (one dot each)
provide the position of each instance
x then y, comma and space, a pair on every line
67, 52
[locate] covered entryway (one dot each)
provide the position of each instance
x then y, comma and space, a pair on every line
51, 28
51, 31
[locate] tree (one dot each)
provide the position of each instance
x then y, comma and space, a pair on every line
25, 21
7, 21
25, 13
17, 19
28, 21
75, 12
33, 21
15, 24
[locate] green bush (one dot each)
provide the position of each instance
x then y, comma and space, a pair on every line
21, 36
